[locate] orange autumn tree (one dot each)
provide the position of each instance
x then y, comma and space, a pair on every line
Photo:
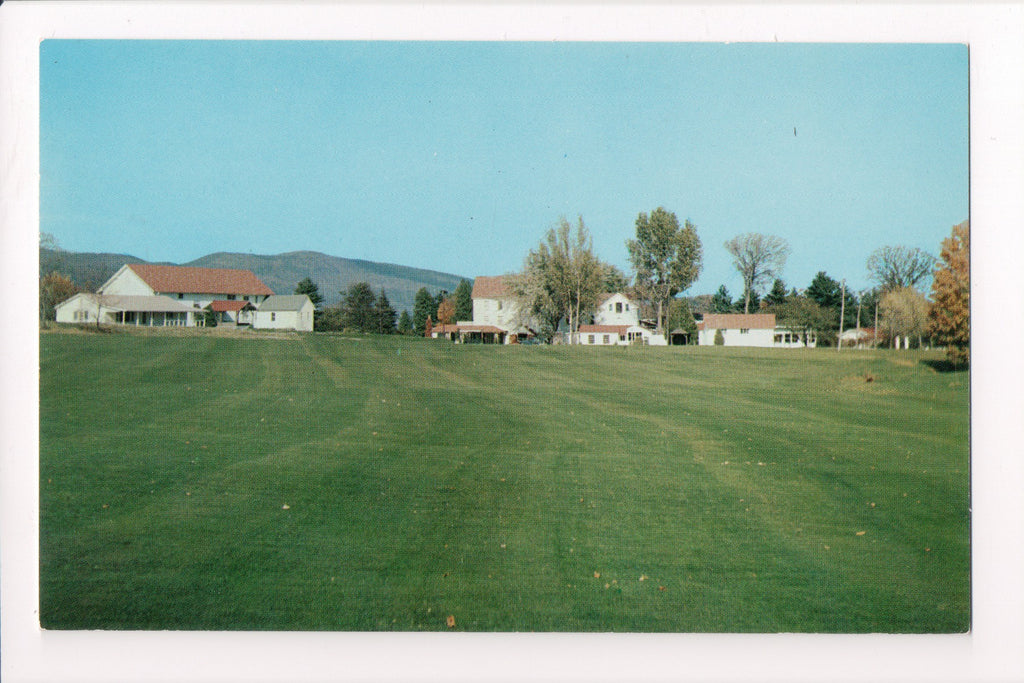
949, 318
446, 311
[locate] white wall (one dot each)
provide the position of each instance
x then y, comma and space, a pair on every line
126, 282
301, 320
617, 310
754, 337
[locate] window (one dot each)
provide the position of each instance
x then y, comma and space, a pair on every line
627, 307
744, 331
246, 297
778, 339
607, 339
618, 307
181, 295
611, 308
499, 305
231, 297
273, 317
590, 339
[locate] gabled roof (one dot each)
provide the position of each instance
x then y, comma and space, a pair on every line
739, 321
466, 327
490, 287
189, 280
284, 302
221, 306
608, 295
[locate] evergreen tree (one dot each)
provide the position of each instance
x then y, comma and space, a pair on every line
777, 295
310, 289
384, 314
721, 302
358, 308
405, 323
680, 317
423, 306
464, 301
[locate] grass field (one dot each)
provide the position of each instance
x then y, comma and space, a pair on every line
330, 483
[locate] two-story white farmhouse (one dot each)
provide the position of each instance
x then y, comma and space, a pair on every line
616, 322
150, 295
497, 318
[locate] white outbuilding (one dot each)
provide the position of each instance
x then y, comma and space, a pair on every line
285, 312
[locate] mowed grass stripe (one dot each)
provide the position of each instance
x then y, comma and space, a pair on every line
512, 488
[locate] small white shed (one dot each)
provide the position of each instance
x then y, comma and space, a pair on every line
285, 312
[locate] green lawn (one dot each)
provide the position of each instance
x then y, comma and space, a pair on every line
331, 483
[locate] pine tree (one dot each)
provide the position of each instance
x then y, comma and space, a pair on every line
423, 306
721, 302
464, 301
358, 309
384, 315
405, 323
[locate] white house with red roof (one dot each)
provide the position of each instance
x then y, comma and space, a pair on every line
750, 329
161, 296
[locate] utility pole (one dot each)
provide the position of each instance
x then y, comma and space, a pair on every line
842, 313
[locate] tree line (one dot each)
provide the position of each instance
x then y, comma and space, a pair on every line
361, 310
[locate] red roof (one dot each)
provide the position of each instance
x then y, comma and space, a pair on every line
604, 329
446, 329
490, 287
739, 321
188, 280
222, 306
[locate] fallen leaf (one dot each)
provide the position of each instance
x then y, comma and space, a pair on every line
607, 586
286, 506
661, 588
861, 533
450, 621
597, 575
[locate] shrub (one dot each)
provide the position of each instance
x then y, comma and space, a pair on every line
719, 338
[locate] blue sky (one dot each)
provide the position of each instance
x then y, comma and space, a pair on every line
459, 156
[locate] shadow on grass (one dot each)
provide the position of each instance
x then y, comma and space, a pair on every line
945, 366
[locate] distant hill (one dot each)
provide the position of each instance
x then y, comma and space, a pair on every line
280, 272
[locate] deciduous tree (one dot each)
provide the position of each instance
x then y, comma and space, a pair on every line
666, 258
446, 311
759, 260
949, 318
561, 278
903, 313
53, 289
896, 267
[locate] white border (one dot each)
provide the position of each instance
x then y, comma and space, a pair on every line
992, 652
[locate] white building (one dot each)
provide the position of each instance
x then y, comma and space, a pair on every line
116, 309
617, 309
614, 335
285, 312
153, 295
196, 287
750, 329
